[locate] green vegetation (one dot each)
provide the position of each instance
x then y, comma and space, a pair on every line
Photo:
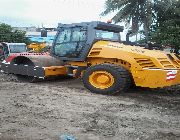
136, 13
160, 19
166, 31
8, 35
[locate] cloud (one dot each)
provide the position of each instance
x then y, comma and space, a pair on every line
50, 12
13, 8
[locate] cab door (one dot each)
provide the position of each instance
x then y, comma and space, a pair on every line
1, 53
4, 51
70, 43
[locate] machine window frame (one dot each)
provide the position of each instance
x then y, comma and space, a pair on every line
80, 43
17, 48
91, 36
109, 39
59, 34
81, 30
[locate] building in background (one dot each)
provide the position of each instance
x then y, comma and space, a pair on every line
39, 34
26, 29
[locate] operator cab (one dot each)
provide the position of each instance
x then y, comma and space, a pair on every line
7, 49
74, 41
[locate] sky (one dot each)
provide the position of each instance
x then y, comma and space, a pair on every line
51, 12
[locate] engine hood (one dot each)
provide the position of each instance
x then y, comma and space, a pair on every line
134, 55
116, 48
136, 50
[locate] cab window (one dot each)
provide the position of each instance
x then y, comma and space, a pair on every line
107, 35
70, 42
64, 36
17, 48
78, 34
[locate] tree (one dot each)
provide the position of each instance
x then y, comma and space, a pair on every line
167, 28
5, 32
8, 35
136, 12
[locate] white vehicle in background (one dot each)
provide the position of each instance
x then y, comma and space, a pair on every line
7, 49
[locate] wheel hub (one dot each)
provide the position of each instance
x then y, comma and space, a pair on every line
101, 79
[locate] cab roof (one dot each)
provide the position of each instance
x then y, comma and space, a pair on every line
94, 24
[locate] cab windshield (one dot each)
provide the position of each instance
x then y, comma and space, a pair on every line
70, 42
17, 48
100, 34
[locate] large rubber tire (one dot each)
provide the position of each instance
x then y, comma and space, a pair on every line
121, 78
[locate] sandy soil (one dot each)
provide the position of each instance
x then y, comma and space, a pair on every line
47, 110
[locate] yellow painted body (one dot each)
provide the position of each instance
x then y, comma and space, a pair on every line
55, 70
37, 47
101, 79
149, 68
154, 78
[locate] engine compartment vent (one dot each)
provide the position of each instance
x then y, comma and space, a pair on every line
166, 63
145, 62
177, 56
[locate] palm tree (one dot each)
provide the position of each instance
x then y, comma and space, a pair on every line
137, 12
166, 31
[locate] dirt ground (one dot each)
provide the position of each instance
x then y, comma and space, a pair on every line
49, 109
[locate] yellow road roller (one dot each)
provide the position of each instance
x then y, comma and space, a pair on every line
94, 52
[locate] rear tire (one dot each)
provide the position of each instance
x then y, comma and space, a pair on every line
106, 79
